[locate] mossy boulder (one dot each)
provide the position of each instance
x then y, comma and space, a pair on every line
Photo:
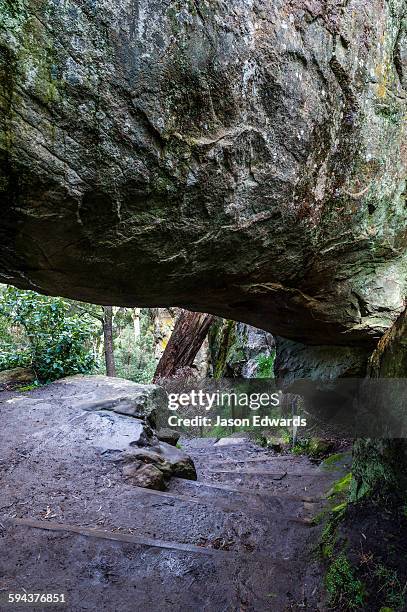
16, 377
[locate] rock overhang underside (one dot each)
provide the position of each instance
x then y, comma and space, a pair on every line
244, 159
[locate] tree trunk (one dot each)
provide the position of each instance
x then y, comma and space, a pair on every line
108, 338
163, 320
190, 330
135, 315
380, 465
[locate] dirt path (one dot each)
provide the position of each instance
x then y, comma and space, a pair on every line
238, 539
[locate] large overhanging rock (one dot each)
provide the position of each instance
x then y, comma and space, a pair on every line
240, 158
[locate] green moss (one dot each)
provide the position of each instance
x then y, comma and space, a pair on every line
319, 518
342, 584
25, 388
32, 56
332, 460
315, 448
162, 185
176, 26
260, 440
352, 580
337, 462
392, 114
12, 13
339, 508
7, 89
341, 487
338, 495
223, 339
329, 538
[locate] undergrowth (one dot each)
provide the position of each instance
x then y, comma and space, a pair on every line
342, 585
362, 547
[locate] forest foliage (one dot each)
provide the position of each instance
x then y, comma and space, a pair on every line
57, 337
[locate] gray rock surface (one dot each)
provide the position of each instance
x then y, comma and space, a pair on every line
169, 460
82, 417
296, 360
111, 546
231, 441
170, 436
256, 344
145, 475
148, 402
181, 464
241, 158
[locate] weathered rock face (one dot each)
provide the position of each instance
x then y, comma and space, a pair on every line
99, 419
170, 460
380, 465
170, 436
295, 360
147, 402
390, 357
243, 158
240, 350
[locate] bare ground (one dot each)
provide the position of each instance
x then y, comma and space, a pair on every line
238, 539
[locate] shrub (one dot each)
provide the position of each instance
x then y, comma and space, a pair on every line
56, 339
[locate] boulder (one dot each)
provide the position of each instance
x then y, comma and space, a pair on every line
16, 377
145, 475
112, 433
169, 460
148, 457
170, 436
245, 159
318, 448
148, 402
116, 419
181, 463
